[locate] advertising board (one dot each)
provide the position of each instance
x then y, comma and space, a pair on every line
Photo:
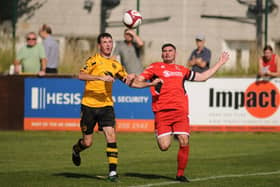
239, 104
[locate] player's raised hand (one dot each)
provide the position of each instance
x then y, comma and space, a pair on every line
224, 57
131, 32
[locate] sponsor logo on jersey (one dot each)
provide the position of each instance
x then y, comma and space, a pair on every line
167, 73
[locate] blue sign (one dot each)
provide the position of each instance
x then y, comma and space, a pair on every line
52, 97
61, 98
132, 103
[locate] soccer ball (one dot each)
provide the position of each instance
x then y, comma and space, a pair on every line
132, 18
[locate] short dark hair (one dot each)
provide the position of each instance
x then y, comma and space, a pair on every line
168, 45
267, 47
103, 35
46, 28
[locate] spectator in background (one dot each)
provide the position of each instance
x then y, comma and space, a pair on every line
129, 51
269, 63
199, 60
31, 57
51, 48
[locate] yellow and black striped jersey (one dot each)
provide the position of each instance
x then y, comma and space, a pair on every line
98, 93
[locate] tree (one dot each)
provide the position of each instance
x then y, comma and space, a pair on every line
9, 9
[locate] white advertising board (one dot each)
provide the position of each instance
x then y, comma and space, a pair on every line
239, 102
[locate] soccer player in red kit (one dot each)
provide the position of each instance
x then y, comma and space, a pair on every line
170, 101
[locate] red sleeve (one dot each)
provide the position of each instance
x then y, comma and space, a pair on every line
148, 73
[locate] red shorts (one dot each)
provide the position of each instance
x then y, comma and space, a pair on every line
171, 122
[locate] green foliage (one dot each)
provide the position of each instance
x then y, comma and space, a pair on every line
18, 8
6, 59
38, 158
6, 52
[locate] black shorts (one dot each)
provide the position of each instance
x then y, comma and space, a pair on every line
51, 70
104, 116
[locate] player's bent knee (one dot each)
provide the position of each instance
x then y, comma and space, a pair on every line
164, 147
164, 142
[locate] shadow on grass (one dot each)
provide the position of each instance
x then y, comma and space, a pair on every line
79, 175
148, 176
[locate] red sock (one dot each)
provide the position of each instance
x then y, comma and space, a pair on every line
182, 159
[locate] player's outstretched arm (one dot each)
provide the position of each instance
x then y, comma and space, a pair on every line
140, 82
210, 72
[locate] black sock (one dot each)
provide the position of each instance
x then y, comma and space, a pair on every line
79, 147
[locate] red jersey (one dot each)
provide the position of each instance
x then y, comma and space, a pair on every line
171, 94
271, 64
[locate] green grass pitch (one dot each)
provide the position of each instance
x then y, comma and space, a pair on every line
39, 158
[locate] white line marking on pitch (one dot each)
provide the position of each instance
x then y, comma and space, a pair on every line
212, 177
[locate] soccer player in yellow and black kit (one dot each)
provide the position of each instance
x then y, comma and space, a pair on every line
99, 73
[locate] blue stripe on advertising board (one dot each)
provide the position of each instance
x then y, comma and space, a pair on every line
60, 98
